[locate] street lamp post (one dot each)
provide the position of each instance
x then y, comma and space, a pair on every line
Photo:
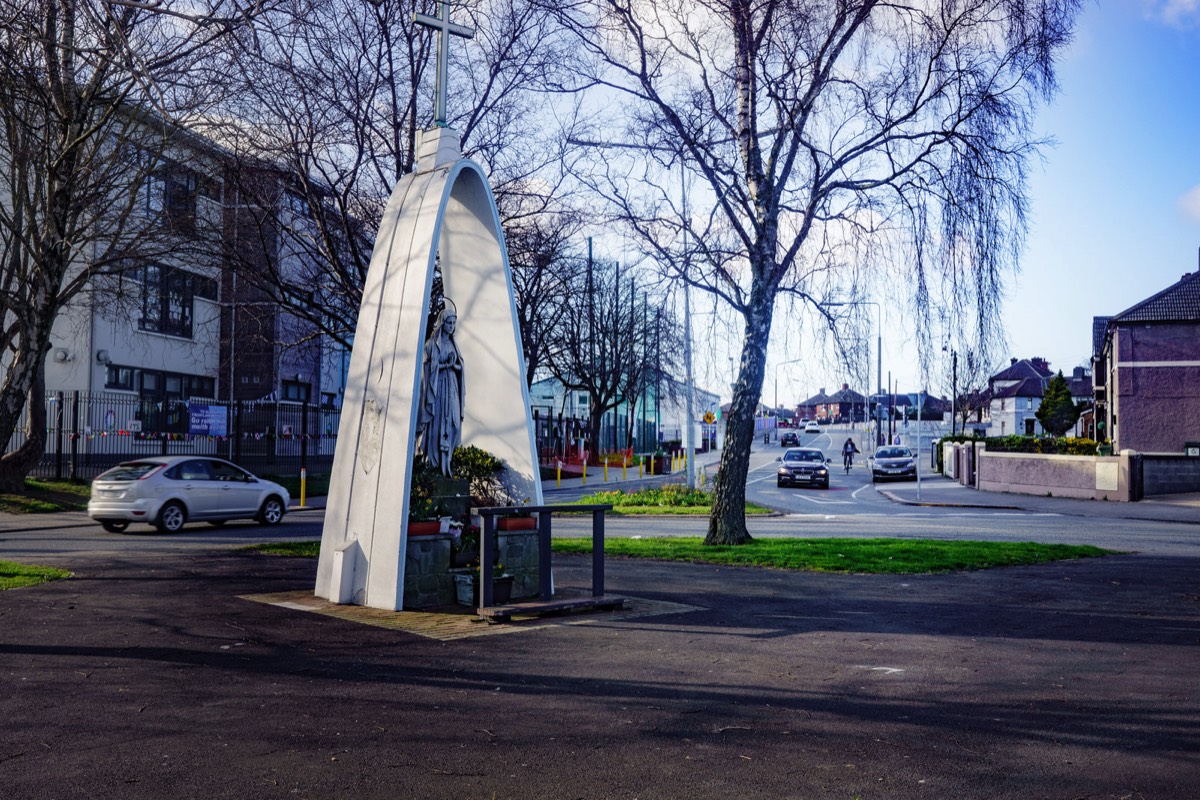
878, 354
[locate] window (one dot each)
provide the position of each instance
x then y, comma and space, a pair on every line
294, 390
228, 472
167, 298
171, 192
119, 377
164, 395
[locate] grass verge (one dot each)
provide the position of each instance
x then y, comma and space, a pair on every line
873, 556
866, 556
672, 498
14, 576
295, 549
45, 497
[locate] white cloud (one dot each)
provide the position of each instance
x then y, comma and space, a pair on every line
1178, 13
1189, 204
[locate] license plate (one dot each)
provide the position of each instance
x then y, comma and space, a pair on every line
894, 471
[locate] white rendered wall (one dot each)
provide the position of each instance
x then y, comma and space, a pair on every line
447, 203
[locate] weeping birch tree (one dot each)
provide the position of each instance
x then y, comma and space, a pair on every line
822, 146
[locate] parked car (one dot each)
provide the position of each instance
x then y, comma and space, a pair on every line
892, 462
802, 466
789, 439
812, 427
171, 491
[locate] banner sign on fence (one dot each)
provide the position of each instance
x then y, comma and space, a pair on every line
207, 420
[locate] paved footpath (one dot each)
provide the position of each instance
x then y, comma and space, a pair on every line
158, 676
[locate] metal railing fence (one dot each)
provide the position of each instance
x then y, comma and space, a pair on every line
88, 432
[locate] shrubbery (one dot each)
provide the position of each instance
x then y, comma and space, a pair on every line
1049, 445
673, 494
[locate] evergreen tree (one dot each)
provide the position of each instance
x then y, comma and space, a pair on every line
1058, 412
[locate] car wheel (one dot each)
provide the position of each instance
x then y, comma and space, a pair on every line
825, 485
779, 484
115, 527
271, 512
172, 517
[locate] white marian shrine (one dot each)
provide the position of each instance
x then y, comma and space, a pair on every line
443, 214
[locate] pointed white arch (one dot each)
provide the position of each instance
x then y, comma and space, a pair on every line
450, 210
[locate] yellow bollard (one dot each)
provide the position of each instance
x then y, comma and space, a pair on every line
624, 466
558, 479
303, 484
585, 473
652, 466
639, 469
606, 470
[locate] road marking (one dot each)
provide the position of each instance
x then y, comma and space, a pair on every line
884, 670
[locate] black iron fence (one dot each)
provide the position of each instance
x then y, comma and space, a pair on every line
88, 432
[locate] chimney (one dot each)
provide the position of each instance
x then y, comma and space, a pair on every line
1012, 362
1040, 363
845, 386
822, 392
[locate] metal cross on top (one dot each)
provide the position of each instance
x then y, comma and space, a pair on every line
445, 28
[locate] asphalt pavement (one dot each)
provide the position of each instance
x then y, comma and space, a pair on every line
209, 675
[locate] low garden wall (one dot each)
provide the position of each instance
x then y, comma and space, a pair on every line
1085, 477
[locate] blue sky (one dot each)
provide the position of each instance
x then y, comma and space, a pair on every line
1116, 204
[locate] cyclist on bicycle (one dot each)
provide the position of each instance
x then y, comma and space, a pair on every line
848, 451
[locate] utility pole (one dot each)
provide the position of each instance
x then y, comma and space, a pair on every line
594, 436
689, 434
953, 392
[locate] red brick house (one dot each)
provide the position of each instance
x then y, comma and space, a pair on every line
1147, 371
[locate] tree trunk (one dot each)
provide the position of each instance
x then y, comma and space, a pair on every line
15, 465
727, 525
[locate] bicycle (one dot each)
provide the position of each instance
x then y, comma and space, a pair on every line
848, 461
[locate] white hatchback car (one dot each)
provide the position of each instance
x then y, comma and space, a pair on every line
171, 491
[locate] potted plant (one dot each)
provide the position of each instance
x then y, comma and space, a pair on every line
516, 522
423, 509
466, 547
481, 469
467, 586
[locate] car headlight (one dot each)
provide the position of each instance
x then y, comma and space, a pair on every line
822, 471
784, 471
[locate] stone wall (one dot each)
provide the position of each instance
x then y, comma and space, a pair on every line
428, 575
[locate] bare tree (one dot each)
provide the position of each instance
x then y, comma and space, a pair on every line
542, 262
604, 347
89, 95
819, 138
967, 382
332, 96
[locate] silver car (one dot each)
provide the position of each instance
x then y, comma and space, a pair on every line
894, 463
171, 491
